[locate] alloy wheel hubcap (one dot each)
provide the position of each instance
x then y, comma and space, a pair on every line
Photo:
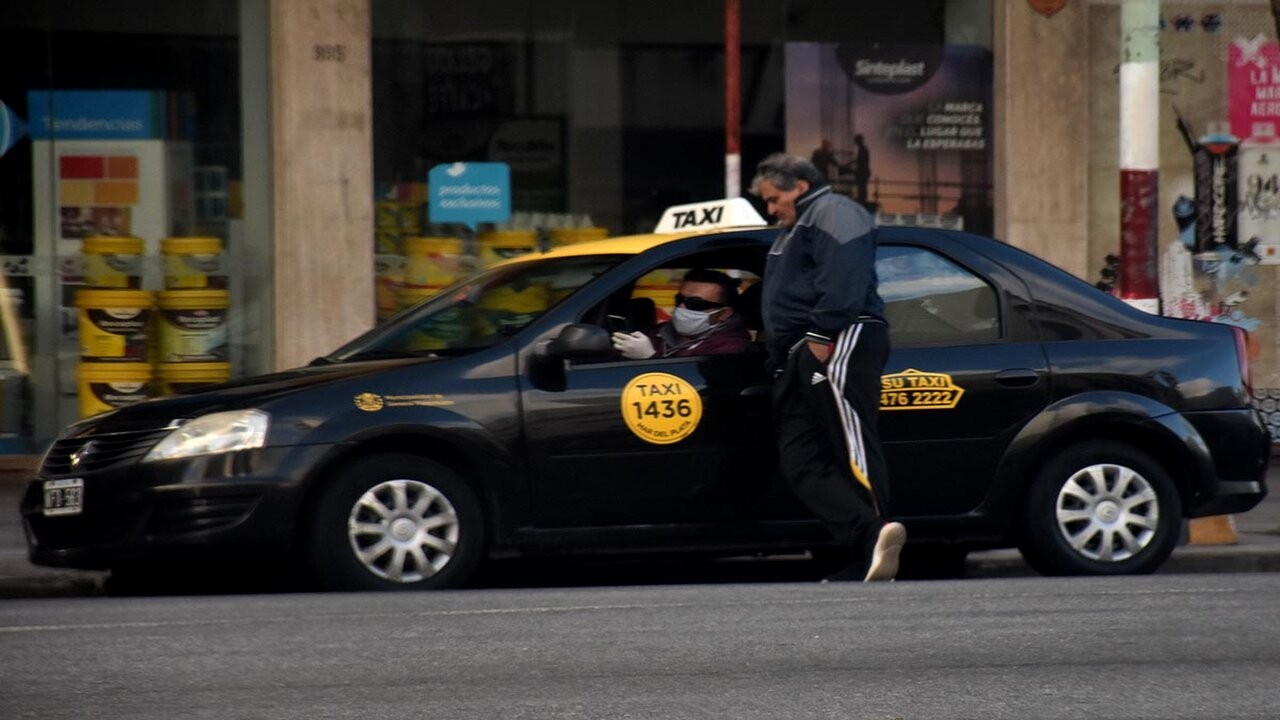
1107, 513
403, 530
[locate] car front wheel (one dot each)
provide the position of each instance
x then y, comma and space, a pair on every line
396, 522
1101, 508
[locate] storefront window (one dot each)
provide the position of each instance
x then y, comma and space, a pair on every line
609, 112
122, 200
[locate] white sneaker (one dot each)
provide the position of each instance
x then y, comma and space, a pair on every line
884, 559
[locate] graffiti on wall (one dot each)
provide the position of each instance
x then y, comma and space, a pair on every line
1209, 271
1209, 283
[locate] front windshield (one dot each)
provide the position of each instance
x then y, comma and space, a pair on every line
480, 311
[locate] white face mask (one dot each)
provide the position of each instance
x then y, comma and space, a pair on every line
692, 323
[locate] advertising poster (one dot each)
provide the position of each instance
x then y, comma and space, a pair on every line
1253, 92
106, 164
533, 147
905, 129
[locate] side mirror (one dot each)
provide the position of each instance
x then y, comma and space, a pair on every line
580, 341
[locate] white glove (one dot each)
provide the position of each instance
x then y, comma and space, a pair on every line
633, 346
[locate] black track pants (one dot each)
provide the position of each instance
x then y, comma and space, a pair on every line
828, 443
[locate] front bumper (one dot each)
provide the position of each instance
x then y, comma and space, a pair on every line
218, 504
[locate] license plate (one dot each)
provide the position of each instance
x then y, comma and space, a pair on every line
63, 497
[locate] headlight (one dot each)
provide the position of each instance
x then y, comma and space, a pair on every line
214, 433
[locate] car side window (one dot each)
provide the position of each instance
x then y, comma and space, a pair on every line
930, 300
650, 298
660, 287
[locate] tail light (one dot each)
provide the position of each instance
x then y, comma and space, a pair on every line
1242, 356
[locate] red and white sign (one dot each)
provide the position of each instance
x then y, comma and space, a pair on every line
1253, 84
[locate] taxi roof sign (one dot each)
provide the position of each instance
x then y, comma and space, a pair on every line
727, 213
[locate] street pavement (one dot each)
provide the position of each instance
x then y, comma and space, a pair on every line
1257, 549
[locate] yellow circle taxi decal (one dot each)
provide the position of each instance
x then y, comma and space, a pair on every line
916, 390
661, 408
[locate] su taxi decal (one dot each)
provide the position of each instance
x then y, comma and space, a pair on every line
916, 390
373, 402
661, 408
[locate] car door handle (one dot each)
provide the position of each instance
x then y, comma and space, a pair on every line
756, 390
1018, 377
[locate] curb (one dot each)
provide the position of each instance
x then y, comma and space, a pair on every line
53, 585
990, 564
1186, 559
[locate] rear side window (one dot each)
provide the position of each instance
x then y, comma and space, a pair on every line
930, 300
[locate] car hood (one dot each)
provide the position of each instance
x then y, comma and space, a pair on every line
258, 390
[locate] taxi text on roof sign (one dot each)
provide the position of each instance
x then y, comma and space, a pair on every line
727, 213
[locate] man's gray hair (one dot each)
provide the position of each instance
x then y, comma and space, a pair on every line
783, 171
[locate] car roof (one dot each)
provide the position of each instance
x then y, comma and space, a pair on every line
622, 245
627, 245
678, 222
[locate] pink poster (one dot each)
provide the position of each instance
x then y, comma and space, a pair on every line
1253, 85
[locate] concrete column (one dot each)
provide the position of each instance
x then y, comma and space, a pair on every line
322, 140
1042, 132
1140, 153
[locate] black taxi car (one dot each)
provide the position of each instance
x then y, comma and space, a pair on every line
1021, 407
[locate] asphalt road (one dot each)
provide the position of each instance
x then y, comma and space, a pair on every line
1170, 647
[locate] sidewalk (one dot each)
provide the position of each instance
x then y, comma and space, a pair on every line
1257, 550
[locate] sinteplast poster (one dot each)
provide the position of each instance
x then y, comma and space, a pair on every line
905, 129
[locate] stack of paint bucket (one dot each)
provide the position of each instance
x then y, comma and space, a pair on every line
433, 263
562, 236
114, 321
191, 346
497, 245
508, 307
660, 286
398, 224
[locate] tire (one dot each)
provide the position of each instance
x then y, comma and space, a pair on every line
396, 522
1101, 508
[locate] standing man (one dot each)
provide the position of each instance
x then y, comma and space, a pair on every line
824, 158
828, 343
861, 169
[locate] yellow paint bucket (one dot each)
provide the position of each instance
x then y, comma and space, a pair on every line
432, 262
443, 330
193, 262
112, 262
559, 237
409, 217
187, 376
107, 386
387, 215
507, 307
660, 286
388, 279
193, 325
409, 296
495, 246
113, 324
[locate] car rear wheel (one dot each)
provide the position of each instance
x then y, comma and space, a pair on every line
1101, 508
396, 522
